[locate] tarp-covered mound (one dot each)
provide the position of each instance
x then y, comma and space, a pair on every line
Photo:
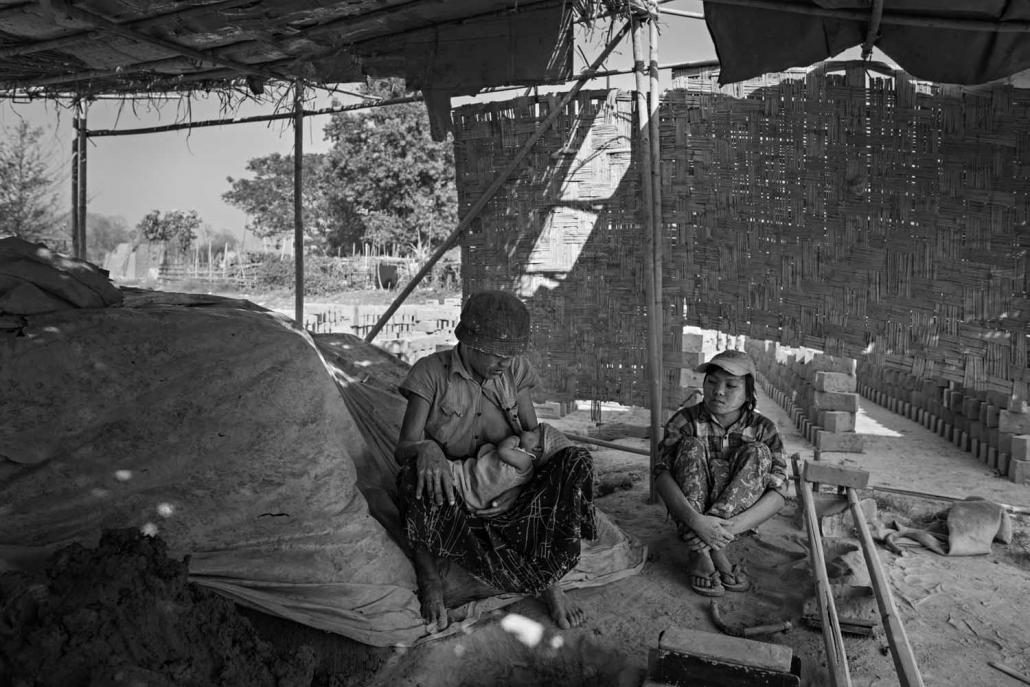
34, 279
221, 428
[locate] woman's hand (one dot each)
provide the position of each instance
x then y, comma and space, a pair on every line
434, 474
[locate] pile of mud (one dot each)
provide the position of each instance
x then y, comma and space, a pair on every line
125, 614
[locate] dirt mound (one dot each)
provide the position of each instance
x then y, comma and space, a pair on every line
125, 614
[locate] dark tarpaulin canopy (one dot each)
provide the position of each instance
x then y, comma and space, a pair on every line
947, 41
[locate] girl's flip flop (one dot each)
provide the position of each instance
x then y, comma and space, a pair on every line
707, 585
735, 580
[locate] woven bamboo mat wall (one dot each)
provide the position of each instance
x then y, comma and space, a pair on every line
868, 217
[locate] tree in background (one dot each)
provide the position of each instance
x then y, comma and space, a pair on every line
28, 185
177, 227
384, 182
103, 234
267, 198
388, 182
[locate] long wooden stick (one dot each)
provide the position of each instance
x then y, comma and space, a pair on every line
836, 659
496, 184
647, 222
1009, 671
298, 204
82, 109
606, 444
901, 650
656, 307
76, 251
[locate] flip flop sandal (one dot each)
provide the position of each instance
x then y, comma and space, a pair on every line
707, 586
735, 580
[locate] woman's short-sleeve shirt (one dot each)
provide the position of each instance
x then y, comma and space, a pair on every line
464, 414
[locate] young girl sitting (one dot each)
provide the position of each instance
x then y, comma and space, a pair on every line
720, 471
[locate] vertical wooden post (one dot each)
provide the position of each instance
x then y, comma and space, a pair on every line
654, 364
81, 201
298, 202
74, 206
656, 310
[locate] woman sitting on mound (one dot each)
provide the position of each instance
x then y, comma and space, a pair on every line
720, 471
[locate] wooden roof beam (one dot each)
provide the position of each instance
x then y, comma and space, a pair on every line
72, 38
110, 27
142, 67
375, 17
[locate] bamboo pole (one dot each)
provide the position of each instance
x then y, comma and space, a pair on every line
80, 204
606, 444
298, 203
836, 659
654, 363
75, 182
656, 309
901, 650
222, 121
496, 184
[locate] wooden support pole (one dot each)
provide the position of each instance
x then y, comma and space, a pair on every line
656, 308
496, 184
298, 203
80, 204
647, 222
901, 650
836, 659
74, 211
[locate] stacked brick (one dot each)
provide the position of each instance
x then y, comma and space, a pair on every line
818, 391
991, 425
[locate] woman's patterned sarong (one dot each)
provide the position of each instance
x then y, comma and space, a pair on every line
526, 549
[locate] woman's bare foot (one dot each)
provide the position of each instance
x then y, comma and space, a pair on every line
564, 613
430, 591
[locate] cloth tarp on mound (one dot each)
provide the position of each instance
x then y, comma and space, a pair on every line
221, 429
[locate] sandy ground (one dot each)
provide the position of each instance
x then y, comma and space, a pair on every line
959, 613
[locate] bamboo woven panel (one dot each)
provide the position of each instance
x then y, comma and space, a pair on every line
870, 217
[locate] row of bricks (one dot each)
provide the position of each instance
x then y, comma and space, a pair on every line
979, 424
822, 409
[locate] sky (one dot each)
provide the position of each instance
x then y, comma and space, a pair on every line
128, 176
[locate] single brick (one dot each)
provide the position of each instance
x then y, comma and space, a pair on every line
955, 399
837, 420
971, 408
825, 472
1021, 447
827, 400
723, 648
1015, 422
835, 381
991, 415
1019, 471
844, 442
1005, 441
821, 362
